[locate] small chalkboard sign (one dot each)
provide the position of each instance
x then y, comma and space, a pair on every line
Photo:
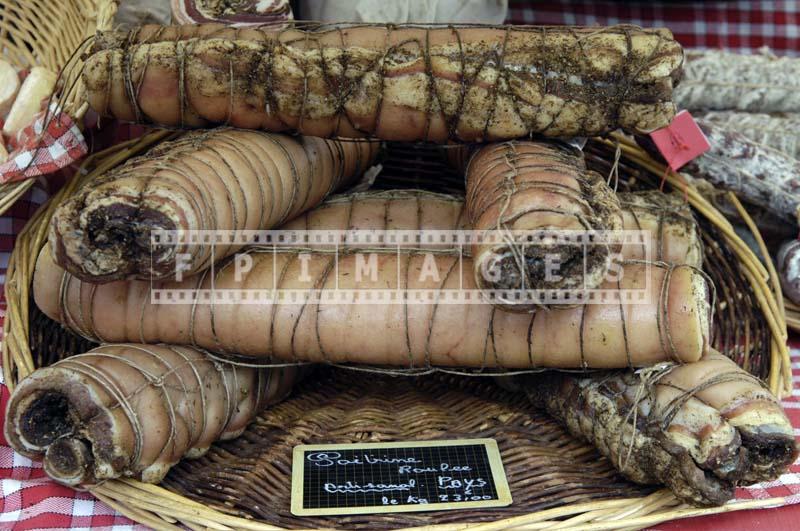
397, 477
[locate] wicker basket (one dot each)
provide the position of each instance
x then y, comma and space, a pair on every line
792, 316
46, 33
555, 480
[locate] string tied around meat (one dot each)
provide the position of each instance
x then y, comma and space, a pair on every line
645, 390
613, 173
649, 377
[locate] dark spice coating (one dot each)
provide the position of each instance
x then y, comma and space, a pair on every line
68, 457
47, 419
701, 429
407, 82
593, 414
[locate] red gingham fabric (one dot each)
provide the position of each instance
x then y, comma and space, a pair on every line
743, 26
53, 141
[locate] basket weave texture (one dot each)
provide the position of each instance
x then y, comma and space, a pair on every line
46, 33
244, 484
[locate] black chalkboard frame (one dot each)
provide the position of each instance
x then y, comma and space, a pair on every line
489, 446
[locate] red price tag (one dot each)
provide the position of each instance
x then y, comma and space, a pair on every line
681, 141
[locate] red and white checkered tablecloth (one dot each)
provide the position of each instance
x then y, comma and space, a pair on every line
51, 142
29, 501
743, 26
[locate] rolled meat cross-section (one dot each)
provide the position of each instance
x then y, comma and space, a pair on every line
531, 202
700, 428
394, 82
223, 179
130, 410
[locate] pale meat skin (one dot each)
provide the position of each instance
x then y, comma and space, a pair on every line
131, 410
747, 405
391, 210
394, 83
671, 231
223, 179
673, 324
275, 13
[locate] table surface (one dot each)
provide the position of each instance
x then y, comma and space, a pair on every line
28, 500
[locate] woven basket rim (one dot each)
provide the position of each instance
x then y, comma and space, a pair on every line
159, 508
